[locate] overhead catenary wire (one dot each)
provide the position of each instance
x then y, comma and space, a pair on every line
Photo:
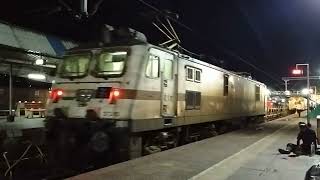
164, 26
165, 15
252, 65
170, 38
226, 51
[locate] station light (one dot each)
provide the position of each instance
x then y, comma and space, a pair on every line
287, 93
283, 100
39, 62
311, 91
297, 72
36, 76
119, 53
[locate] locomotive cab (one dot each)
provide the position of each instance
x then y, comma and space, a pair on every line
130, 88
95, 79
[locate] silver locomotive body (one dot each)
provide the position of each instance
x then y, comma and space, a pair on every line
147, 92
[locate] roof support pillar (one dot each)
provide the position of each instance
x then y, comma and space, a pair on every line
10, 90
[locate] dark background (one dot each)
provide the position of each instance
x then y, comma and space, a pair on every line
271, 35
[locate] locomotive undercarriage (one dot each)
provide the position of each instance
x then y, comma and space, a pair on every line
123, 145
160, 140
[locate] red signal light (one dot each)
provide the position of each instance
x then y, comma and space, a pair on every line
114, 95
59, 92
56, 94
116, 92
297, 71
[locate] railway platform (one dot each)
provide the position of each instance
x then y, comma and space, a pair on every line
247, 154
21, 125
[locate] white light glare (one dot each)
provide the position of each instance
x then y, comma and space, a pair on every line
119, 53
268, 92
39, 62
297, 72
283, 100
305, 91
311, 91
36, 76
287, 93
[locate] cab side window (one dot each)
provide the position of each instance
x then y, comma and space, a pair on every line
190, 74
193, 74
197, 77
152, 70
257, 89
225, 85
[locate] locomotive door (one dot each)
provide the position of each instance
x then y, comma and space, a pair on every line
168, 82
168, 104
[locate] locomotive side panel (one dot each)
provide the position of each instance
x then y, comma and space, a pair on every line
223, 95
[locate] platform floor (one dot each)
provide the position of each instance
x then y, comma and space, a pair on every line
241, 155
22, 122
262, 161
16, 128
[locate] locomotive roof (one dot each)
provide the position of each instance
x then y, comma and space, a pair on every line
197, 61
180, 55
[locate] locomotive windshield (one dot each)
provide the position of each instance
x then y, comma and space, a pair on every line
111, 63
75, 65
106, 64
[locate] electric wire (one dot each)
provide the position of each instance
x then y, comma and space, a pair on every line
226, 51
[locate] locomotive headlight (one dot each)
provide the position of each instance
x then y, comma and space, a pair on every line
59, 92
55, 95
114, 95
39, 62
116, 92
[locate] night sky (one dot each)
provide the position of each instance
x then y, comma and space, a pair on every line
272, 35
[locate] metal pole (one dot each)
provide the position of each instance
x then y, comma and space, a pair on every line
286, 85
84, 6
10, 90
308, 99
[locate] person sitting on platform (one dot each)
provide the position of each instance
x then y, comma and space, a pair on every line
308, 136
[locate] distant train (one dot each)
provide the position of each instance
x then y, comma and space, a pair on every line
152, 97
297, 103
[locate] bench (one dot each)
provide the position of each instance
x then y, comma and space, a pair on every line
29, 109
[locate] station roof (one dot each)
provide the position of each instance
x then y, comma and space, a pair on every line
25, 39
21, 47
